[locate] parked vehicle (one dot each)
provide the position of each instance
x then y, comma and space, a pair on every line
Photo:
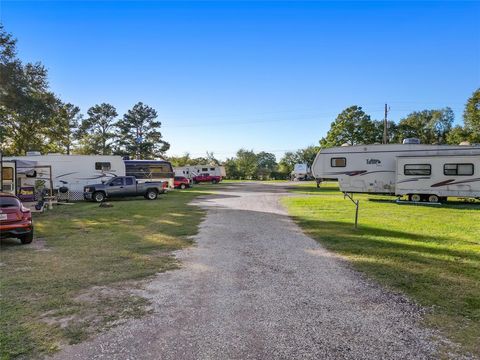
206, 177
67, 172
301, 172
190, 171
150, 170
124, 186
15, 219
181, 182
422, 172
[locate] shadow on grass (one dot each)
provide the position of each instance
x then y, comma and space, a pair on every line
343, 237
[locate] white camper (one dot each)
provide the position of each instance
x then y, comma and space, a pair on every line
69, 172
189, 171
423, 172
301, 172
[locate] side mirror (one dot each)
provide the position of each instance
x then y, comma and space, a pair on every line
111, 184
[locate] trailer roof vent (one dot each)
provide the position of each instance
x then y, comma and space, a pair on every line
411, 141
33, 153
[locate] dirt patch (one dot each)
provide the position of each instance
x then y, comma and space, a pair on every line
99, 308
39, 244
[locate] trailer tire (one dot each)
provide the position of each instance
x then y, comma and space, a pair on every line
98, 196
214, 181
415, 197
433, 198
151, 194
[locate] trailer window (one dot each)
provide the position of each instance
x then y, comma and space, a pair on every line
212, 169
338, 162
458, 169
104, 166
204, 169
7, 173
417, 169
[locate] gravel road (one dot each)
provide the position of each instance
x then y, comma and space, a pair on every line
256, 287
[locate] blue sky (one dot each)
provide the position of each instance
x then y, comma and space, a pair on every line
259, 75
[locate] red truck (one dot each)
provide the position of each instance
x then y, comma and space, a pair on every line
205, 177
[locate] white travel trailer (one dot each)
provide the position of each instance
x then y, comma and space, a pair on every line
189, 171
423, 172
69, 172
301, 172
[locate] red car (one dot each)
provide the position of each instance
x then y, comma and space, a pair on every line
181, 182
206, 178
15, 219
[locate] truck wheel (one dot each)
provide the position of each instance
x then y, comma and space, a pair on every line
433, 199
415, 197
183, 186
98, 196
151, 194
27, 238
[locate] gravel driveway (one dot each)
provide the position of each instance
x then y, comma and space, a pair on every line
256, 287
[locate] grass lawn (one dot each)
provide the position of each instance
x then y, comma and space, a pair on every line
46, 290
431, 253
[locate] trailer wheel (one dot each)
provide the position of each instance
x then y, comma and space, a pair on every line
415, 197
151, 194
98, 196
214, 181
433, 198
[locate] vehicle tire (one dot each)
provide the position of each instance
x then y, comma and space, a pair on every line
183, 186
26, 238
98, 196
433, 198
415, 197
151, 194
214, 181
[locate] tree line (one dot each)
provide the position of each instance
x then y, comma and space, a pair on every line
353, 126
33, 118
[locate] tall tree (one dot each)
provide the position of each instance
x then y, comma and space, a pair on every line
247, 164
267, 163
96, 133
430, 126
26, 103
139, 133
352, 126
471, 116
67, 120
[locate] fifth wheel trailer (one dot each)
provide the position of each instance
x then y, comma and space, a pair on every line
423, 172
189, 171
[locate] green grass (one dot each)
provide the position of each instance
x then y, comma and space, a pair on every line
431, 253
46, 294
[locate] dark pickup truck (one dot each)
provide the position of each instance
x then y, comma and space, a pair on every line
123, 186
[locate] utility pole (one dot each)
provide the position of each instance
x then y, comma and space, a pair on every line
385, 126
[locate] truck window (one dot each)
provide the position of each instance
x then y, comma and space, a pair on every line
128, 181
117, 182
458, 169
338, 162
417, 169
104, 166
